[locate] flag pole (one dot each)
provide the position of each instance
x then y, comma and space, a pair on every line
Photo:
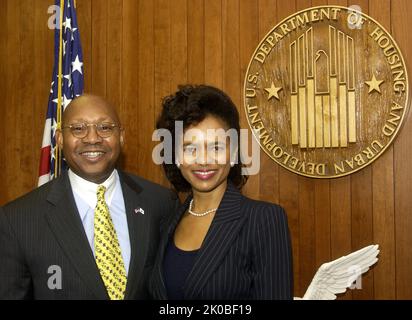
59, 92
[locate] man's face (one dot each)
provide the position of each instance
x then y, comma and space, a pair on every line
93, 158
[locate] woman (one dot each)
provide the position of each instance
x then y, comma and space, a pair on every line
219, 244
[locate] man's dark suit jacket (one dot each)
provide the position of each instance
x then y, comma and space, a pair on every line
44, 229
246, 253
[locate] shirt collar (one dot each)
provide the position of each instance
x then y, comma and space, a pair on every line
87, 190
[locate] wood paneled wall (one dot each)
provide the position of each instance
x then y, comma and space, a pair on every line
136, 52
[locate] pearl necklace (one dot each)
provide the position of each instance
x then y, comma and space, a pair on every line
199, 214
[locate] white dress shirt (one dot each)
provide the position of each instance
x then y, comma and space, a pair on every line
85, 195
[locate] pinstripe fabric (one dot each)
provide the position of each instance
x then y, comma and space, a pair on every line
43, 229
246, 253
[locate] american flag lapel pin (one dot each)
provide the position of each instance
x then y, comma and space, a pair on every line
139, 210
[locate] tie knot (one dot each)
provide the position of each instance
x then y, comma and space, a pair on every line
100, 191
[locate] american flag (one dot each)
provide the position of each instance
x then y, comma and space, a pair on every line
67, 83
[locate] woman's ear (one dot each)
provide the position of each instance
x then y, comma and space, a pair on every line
234, 156
121, 137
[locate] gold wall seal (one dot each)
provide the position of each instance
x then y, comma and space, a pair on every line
326, 91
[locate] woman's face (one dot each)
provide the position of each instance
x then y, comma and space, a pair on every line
205, 156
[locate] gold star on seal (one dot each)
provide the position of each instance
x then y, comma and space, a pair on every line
273, 91
374, 84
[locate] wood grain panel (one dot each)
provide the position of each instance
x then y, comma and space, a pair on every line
99, 47
306, 196
178, 59
213, 43
4, 35
401, 12
13, 184
130, 76
289, 186
322, 222
383, 195
231, 49
179, 43
268, 189
196, 41
249, 36
144, 114
136, 52
362, 223
341, 231
307, 258
114, 52
341, 240
362, 216
232, 82
26, 78
162, 66
42, 69
322, 209
84, 15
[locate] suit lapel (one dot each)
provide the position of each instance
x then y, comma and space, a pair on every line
167, 231
65, 222
138, 224
222, 232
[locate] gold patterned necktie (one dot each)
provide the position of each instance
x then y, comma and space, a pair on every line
107, 249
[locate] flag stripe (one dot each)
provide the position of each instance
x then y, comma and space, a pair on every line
67, 83
46, 134
44, 161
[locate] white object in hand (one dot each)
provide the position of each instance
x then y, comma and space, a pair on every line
336, 276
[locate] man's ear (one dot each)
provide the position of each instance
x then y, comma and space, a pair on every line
59, 138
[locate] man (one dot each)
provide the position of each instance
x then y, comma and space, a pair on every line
93, 232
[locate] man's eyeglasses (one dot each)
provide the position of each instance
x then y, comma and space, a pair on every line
81, 130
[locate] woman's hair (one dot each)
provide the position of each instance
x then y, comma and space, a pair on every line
191, 104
